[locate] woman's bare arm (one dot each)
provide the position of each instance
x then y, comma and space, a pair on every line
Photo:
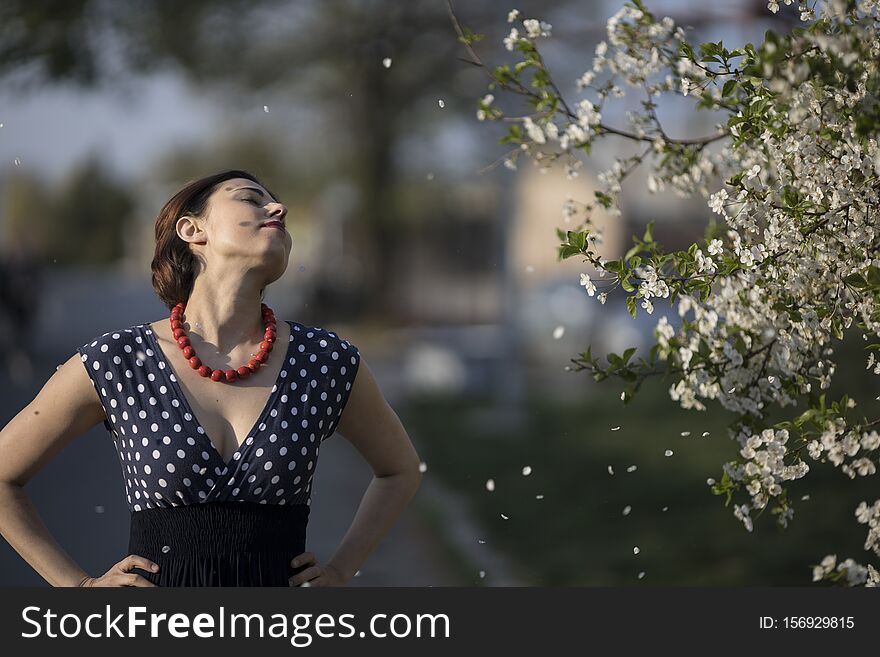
375, 430
67, 406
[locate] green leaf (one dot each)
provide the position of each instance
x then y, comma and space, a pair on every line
604, 199
632, 251
502, 73
709, 50
568, 250
631, 306
615, 266
855, 280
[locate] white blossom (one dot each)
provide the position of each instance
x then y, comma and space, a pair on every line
534, 131
536, 28
588, 284
511, 39
716, 201
585, 80
587, 114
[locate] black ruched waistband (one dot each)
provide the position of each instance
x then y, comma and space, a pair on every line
219, 528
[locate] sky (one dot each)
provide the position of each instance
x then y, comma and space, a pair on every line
53, 128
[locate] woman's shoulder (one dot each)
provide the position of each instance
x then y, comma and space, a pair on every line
317, 334
322, 340
112, 341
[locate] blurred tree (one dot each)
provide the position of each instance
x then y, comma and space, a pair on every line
82, 221
24, 197
89, 202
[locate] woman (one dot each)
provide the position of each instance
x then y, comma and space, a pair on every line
217, 413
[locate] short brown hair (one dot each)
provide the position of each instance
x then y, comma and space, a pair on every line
174, 264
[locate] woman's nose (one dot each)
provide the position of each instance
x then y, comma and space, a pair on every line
279, 209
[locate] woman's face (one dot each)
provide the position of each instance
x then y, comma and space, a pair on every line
243, 226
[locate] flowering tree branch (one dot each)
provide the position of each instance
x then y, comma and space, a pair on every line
795, 262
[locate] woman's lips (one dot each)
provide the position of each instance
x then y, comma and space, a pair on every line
273, 224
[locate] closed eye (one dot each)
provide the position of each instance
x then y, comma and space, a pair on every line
253, 200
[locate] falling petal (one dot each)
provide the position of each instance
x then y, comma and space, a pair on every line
141, 355
441, 103
627, 509
631, 468
423, 466
770, 379
481, 541
357, 573
266, 108
482, 574
641, 574
490, 484
1, 125
636, 550
668, 452
17, 161
504, 516
540, 496
99, 509
386, 62
166, 549
615, 428
805, 497
705, 433
610, 470
623, 396
732, 389
430, 176
527, 470
309, 584
558, 332
710, 481
665, 509
685, 433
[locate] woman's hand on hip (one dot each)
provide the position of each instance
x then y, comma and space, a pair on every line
314, 574
119, 574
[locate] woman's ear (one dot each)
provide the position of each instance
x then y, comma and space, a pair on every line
186, 227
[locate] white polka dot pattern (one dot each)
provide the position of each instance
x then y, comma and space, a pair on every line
167, 458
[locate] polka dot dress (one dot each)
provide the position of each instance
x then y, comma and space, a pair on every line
168, 460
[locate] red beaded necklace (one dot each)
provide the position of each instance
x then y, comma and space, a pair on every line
220, 375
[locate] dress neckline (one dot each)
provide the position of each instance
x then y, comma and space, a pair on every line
173, 382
